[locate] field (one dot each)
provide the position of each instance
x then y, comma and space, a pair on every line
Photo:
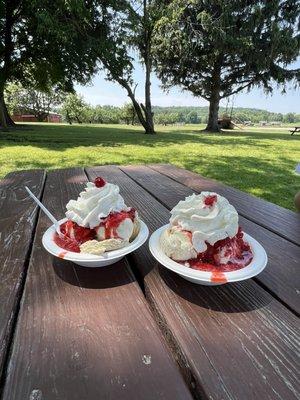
260, 161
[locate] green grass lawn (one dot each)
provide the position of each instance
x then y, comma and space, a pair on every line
260, 161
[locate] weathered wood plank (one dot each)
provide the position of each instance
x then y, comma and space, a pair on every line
232, 342
282, 273
284, 222
85, 333
17, 223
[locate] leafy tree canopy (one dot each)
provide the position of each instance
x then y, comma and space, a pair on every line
44, 43
217, 48
75, 109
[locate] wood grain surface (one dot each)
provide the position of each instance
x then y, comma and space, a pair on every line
282, 273
232, 342
85, 333
18, 218
284, 222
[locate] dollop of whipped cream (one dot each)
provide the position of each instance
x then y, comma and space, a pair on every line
94, 204
208, 216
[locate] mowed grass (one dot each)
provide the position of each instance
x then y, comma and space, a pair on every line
260, 161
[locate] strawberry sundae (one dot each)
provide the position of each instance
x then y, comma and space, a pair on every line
98, 221
204, 234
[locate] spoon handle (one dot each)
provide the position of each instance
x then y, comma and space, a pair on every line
47, 212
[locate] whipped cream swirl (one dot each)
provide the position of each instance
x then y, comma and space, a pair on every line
95, 203
208, 221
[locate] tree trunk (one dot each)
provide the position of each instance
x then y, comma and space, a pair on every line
5, 119
136, 106
139, 109
148, 66
148, 107
212, 123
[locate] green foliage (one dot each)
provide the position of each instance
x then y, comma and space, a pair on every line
37, 42
217, 48
238, 113
192, 118
74, 109
128, 114
289, 117
166, 118
240, 44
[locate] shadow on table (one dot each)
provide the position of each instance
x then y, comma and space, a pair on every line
93, 278
237, 297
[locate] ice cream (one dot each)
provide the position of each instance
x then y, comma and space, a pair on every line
98, 220
204, 229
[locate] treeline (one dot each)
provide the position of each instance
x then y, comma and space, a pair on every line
74, 109
238, 114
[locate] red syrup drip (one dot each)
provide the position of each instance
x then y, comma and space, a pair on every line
113, 220
62, 254
218, 277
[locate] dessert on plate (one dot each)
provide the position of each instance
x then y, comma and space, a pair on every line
98, 221
204, 234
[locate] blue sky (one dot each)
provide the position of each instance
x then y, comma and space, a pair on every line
103, 92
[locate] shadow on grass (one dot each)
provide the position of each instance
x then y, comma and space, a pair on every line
66, 137
260, 173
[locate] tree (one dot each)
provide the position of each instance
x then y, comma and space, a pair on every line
289, 118
12, 96
43, 43
218, 48
192, 118
167, 118
22, 100
131, 30
74, 109
128, 114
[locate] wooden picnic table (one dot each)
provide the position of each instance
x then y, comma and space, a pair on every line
135, 330
296, 129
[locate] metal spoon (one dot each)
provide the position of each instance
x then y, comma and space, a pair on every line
46, 211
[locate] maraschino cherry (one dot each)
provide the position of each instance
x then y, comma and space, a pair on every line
99, 182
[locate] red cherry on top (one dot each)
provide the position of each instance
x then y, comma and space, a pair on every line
210, 200
99, 182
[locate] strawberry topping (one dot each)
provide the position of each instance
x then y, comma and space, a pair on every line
74, 236
225, 255
76, 232
66, 243
113, 220
210, 200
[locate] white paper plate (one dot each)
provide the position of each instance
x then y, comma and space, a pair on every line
257, 264
90, 260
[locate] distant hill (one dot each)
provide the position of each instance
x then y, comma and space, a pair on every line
239, 113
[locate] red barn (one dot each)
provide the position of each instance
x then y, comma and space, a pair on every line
52, 117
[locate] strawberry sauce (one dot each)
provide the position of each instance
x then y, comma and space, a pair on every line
66, 243
226, 255
75, 235
113, 220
